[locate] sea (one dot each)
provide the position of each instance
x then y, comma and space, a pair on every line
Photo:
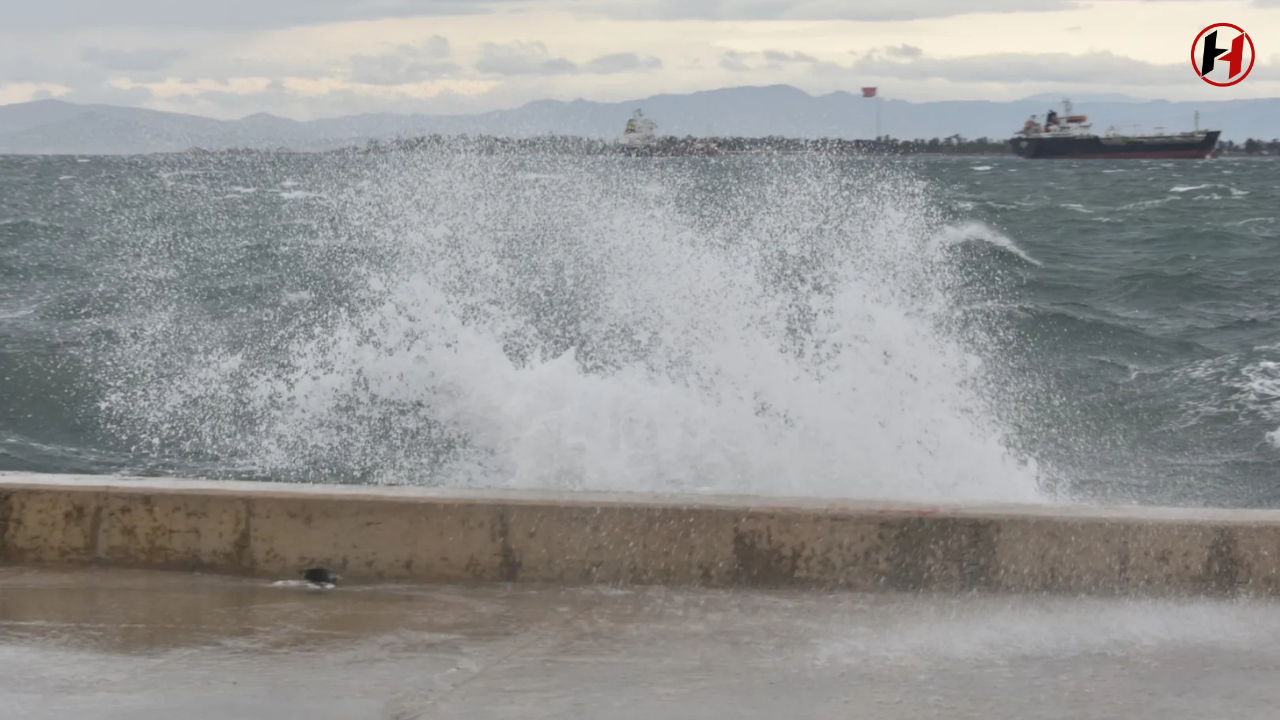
940, 329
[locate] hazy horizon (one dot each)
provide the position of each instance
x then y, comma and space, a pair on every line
306, 60
1049, 99
782, 110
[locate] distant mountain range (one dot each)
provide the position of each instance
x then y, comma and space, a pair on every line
54, 126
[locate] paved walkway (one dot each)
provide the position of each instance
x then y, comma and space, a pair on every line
114, 644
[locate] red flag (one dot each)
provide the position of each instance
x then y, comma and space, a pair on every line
868, 92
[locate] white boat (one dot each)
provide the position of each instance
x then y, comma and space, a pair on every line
640, 130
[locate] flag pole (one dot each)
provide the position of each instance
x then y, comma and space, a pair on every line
870, 92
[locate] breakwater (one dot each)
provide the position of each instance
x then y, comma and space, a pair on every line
380, 534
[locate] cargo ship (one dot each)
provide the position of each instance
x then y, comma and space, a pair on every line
1071, 137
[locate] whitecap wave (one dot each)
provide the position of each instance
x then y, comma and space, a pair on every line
977, 231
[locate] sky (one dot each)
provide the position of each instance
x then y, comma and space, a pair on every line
306, 59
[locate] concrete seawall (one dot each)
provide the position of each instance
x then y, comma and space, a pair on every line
436, 535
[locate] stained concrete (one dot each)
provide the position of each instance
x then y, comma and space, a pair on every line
445, 535
113, 644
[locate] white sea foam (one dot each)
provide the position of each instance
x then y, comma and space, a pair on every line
1260, 392
1255, 390
1155, 202
14, 313
1189, 188
785, 336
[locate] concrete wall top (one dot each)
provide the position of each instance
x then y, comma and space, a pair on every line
381, 533
751, 503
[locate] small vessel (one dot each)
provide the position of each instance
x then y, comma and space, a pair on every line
1071, 137
640, 130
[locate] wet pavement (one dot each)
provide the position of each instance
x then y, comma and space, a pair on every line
116, 644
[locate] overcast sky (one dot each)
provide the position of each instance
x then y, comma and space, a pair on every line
318, 58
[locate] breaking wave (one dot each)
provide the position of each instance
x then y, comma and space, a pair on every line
782, 328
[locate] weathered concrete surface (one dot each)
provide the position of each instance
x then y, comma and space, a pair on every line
95, 644
435, 535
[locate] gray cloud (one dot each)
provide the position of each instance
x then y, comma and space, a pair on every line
1099, 67
31, 68
130, 60
237, 14
519, 58
104, 93
408, 64
777, 56
533, 58
434, 48
276, 99
395, 70
872, 10
909, 52
621, 62
735, 61
256, 14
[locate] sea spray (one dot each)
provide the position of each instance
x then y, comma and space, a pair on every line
780, 326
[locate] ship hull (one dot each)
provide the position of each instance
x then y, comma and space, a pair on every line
1155, 147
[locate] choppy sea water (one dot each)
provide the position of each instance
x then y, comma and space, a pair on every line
984, 328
